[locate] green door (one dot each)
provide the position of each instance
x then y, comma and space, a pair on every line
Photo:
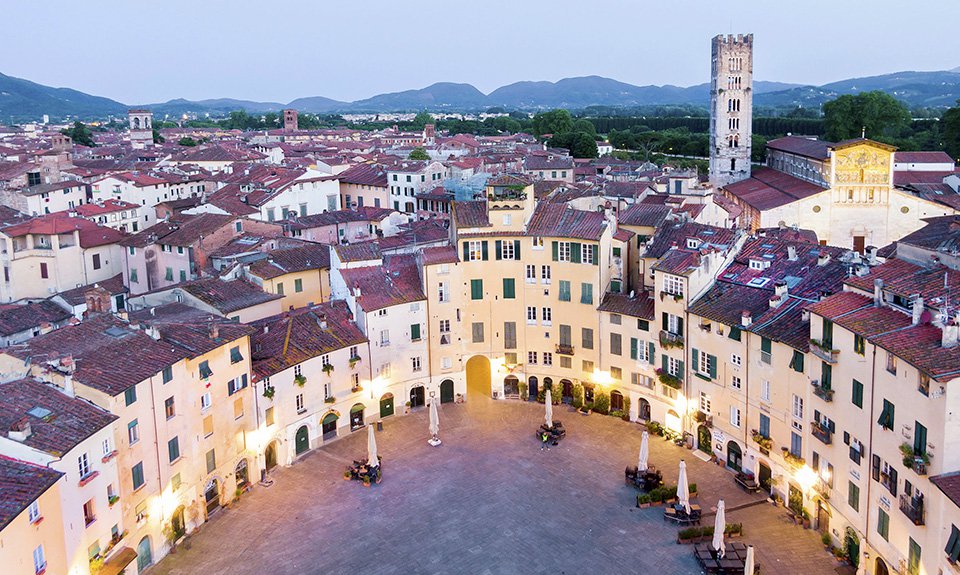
303, 440
446, 391
386, 405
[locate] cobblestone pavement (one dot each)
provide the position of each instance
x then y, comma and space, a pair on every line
488, 501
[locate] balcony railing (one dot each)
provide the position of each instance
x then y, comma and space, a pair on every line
668, 339
564, 349
824, 393
912, 507
824, 350
822, 433
919, 467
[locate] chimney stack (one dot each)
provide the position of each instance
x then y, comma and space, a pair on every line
322, 321
949, 334
214, 331
917, 308
745, 319
823, 259
792, 253
878, 292
20, 430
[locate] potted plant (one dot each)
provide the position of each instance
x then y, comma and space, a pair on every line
327, 368
523, 390
407, 406
113, 499
643, 500
366, 481
300, 380
269, 391
626, 409
688, 535
354, 360
330, 399
805, 518
346, 475
827, 541
693, 489
577, 392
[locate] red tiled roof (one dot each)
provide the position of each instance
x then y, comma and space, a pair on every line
91, 234
105, 207
470, 214
395, 283
77, 295
808, 147
292, 260
949, 484
439, 255
358, 252
905, 279
559, 221
922, 158
15, 318
641, 305
21, 484
365, 174
226, 296
767, 188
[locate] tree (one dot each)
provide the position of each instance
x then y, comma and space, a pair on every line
552, 122
585, 126
80, 134
157, 138
877, 113
418, 153
422, 119
187, 141
581, 145
951, 131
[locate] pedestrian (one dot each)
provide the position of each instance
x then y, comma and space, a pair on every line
544, 437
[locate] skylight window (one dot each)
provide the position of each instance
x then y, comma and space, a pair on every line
758, 282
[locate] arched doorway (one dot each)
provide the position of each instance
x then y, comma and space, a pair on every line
242, 474
211, 494
851, 545
302, 440
616, 401
643, 410
566, 387
328, 425
446, 391
587, 392
765, 477
417, 397
270, 455
533, 386
511, 386
386, 405
177, 524
880, 568
478, 375
144, 554
704, 439
734, 456
356, 416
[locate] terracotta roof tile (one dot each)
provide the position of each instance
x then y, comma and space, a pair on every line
559, 221
640, 306
21, 484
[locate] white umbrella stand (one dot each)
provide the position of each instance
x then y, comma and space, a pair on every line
372, 460
748, 562
642, 463
718, 527
683, 489
548, 415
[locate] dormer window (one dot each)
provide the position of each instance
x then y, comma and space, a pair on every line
693, 243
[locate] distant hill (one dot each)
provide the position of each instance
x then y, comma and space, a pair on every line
24, 100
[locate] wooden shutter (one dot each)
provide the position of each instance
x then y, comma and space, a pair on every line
516, 249
712, 364
466, 251
483, 251
633, 348
555, 249
575, 252
696, 360
499, 249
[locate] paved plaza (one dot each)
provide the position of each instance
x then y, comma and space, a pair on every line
488, 501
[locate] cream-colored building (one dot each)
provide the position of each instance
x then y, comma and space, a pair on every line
32, 532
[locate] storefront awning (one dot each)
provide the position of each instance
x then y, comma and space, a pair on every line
118, 561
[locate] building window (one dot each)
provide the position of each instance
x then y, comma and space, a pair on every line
765, 391
547, 358
477, 332
546, 316
859, 344
136, 473
509, 288
586, 293
298, 285
891, 363
476, 251
531, 315
211, 461
563, 251
169, 407
39, 560
130, 395
545, 275
537, 243
589, 254
672, 284
532, 357
133, 432
736, 360
736, 382
531, 273
476, 289
167, 374
586, 337
173, 449
205, 371
883, 524
443, 295
853, 496
857, 394
705, 403
415, 363
616, 344
564, 294
587, 366
507, 250
415, 332
735, 416
33, 512
796, 362
887, 415
798, 407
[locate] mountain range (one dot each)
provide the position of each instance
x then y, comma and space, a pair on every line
24, 100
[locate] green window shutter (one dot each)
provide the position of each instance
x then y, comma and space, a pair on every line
680, 326
883, 524
663, 362
556, 250
484, 251
712, 363
652, 352
765, 344
633, 348
509, 288
680, 372
466, 251
575, 252
498, 245
516, 249
696, 360
666, 322
643, 325
596, 255
919, 438
796, 362
734, 333
826, 375
476, 289
415, 331
953, 544
857, 394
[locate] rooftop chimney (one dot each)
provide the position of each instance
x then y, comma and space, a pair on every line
214, 331
322, 321
20, 429
823, 258
949, 334
917, 308
792, 253
878, 292
745, 319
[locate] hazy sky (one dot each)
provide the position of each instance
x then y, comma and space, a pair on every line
145, 51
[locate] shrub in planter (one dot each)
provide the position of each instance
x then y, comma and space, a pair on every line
300, 380
601, 402
693, 489
577, 392
269, 391
626, 408
643, 500
617, 413
523, 390
826, 540
654, 428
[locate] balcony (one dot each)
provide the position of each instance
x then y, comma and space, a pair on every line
822, 433
822, 489
668, 339
564, 349
912, 507
824, 350
824, 393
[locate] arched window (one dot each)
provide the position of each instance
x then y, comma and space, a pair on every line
136, 123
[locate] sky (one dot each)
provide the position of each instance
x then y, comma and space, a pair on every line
147, 51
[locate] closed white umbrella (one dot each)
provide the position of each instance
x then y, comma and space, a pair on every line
371, 447
683, 490
549, 415
434, 418
644, 452
748, 562
718, 527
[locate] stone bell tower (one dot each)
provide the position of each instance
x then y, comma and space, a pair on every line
141, 128
731, 108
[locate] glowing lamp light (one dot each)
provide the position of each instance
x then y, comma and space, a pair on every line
806, 477
602, 377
